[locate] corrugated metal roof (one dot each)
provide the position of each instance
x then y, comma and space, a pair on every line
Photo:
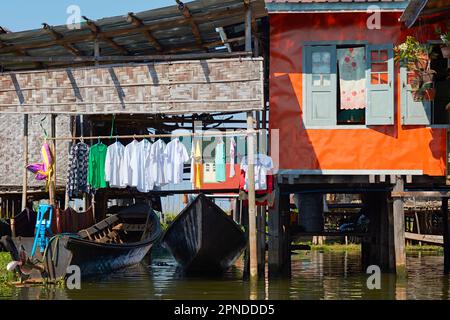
331, 1
274, 6
167, 25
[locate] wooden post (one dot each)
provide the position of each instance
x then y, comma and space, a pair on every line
96, 50
73, 125
416, 219
446, 234
251, 198
52, 185
237, 210
398, 222
261, 210
248, 27
279, 238
25, 162
261, 240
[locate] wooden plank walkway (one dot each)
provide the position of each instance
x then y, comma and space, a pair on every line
427, 238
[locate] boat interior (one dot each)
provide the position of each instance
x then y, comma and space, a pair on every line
120, 229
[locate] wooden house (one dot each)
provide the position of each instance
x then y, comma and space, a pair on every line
344, 112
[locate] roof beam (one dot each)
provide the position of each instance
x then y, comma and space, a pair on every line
169, 24
95, 30
131, 18
184, 9
22, 53
224, 37
159, 57
57, 36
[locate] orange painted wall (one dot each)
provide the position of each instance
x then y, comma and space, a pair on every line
393, 147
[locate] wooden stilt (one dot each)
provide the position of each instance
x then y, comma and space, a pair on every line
24, 171
446, 234
261, 240
398, 223
376, 246
251, 199
248, 27
278, 236
73, 129
237, 211
25, 162
52, 184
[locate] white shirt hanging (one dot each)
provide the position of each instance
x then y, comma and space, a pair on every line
140, 166
176, 155
113, 162
263, 166
157, 163
232, 156
126, 168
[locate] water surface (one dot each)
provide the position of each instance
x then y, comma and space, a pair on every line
315, 275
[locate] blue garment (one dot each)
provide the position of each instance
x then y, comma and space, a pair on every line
220, 162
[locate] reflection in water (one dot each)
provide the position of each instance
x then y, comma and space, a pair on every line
316, 275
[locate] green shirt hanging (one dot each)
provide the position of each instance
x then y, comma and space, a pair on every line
96, 171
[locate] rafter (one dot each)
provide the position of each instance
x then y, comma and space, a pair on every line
169, 24
95, 30
131, 18
184, 9
21, 53
57, 36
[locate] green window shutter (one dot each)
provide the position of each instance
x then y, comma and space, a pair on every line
380, 85
413, 112
320, 85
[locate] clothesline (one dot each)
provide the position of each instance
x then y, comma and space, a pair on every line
166, 135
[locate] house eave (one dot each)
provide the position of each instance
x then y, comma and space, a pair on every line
335, 7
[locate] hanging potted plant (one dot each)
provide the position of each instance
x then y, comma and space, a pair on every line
445, 48
412, 54
416, 58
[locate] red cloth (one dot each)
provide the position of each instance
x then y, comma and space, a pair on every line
261, 194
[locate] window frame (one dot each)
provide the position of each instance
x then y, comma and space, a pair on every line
305, 85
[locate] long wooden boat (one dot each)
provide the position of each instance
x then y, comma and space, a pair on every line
24, 224
118, 241
203, 238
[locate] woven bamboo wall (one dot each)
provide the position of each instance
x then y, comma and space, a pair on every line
11, 148
178, 87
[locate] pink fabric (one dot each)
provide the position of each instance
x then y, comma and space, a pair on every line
352, 78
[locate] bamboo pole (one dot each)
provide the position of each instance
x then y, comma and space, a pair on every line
248, 27
251, 199
144, 136
154, 57
52, 185
73, 125
398, 222
446, 234
25, 162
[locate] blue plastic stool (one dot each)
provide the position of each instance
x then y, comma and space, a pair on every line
43, 228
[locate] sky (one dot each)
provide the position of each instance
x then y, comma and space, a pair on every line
20, 15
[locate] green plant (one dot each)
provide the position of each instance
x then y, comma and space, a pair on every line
168, 218
416, 58
412, 54
445, 36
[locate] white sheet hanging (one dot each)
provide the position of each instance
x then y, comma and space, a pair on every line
140, 166
113, 163
157, 163
176, 155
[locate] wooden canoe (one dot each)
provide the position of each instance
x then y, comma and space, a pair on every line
203, 238
119, 241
